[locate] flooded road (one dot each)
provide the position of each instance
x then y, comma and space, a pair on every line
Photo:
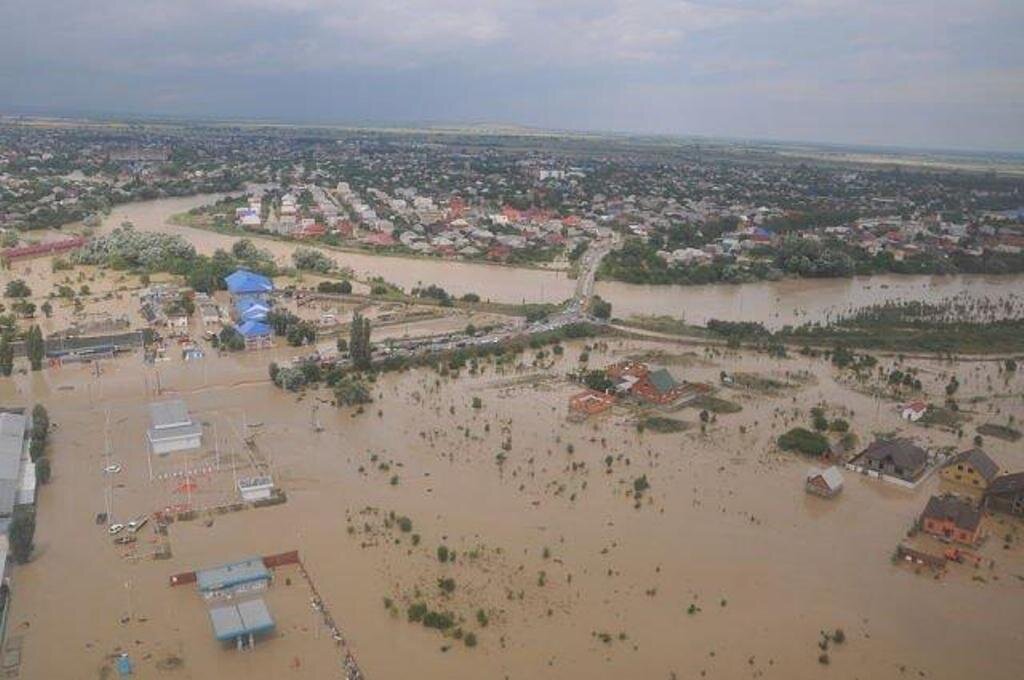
792, 301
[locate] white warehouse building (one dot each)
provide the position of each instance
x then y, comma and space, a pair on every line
172, 428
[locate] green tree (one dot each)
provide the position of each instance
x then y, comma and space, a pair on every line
600, 308
43, 470
359, 342
350, 391
22, 532
17, 289
6, 355
35, 347
47, 309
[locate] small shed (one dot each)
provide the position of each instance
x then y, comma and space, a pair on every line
172, 429
241, 622
825, 483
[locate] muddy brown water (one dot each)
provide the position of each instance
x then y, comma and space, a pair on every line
772, 303
727, 520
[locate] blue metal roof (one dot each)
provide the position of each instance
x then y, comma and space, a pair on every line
251, 308
234, 620
232, 574
253, 328
244, 281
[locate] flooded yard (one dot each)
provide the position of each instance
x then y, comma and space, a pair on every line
723, 567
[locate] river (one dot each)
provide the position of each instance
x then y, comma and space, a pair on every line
774, 303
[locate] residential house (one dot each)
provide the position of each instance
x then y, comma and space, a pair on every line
913, 410
952, 518
971, 468
900, 458
826, 483
1006, 494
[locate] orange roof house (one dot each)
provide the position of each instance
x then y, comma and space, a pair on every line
591, 402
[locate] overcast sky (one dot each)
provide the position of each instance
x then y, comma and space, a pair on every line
934, 73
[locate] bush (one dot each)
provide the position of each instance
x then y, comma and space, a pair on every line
442, 553
405, 524
447, 585
43, 470
839, 425
804, 441
21, 533
470, 639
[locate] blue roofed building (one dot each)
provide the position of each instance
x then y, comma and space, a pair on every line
245, 282
256, 334
241, 622
228, 580
250, 308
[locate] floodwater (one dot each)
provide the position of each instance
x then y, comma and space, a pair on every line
775, 304
725, 527
798, 301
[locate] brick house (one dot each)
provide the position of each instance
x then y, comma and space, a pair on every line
952, 518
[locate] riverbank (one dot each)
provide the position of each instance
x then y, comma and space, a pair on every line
774, 304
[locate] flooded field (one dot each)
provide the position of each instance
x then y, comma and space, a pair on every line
723, 568
773, 303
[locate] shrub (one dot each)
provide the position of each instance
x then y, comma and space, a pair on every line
442, 553
470, 639
804, 441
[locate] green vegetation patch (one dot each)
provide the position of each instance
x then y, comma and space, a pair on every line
664, 425
1004, 432
706, 402
802, 440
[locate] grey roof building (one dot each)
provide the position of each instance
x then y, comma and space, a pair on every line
898, 457
12, 446
172, 428
1006, 494
972, 466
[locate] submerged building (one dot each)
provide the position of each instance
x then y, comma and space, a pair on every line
172, 428
241, 622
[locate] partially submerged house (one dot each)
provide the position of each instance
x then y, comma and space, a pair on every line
257, 334
900, 458
971, 468
590, 402
826, 483
242, 622
655, 387
172, 428
952, 518
1006, 494
913, 411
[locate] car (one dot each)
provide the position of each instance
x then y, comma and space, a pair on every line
115, 528
112, 469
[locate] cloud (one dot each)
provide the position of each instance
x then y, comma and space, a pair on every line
544, 61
